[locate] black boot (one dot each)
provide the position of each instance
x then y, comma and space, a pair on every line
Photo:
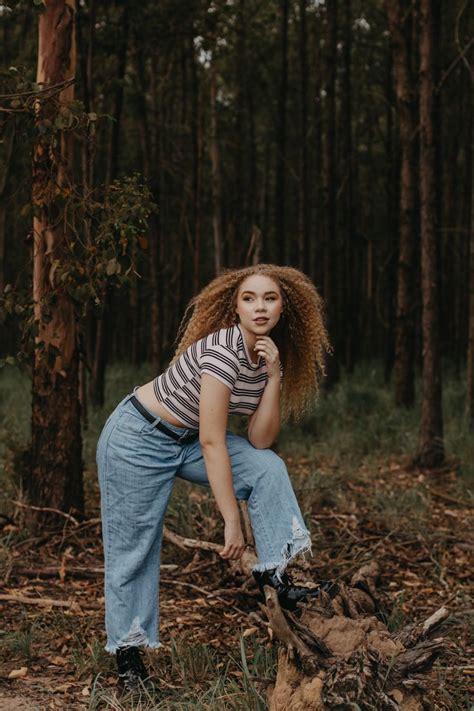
290, 594
131, 669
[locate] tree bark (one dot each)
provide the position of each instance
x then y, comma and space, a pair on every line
216, 174
431, 448
317, 172
86, 20
280, 196
400, 34
55, 477
197, 141
113, 152
97, 381
469, 403
349, 306
329, 252
303, 213
6, 153
339, 654
392, 195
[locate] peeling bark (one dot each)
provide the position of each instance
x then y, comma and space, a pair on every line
55, 476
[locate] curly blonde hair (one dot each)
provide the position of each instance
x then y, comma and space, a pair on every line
300, 334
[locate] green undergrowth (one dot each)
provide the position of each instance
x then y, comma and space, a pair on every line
356, 423
352, 425
189, 676
336, 457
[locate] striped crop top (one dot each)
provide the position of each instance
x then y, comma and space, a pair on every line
224, 355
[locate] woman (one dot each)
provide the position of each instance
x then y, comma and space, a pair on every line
226, 362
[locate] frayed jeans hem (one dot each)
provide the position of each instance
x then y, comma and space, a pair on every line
112, 648
299, 544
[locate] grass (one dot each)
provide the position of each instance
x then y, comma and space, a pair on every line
23, 640
335, 454
355, 422
203, 682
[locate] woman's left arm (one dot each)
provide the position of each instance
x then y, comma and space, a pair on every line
264, 424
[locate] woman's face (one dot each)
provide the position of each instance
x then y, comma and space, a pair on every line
259, 304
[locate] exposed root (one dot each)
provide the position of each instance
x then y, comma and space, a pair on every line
337, 654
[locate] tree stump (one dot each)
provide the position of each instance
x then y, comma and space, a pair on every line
339, 654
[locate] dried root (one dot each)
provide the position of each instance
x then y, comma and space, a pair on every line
339, 654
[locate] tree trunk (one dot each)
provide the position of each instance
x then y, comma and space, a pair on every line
317, 172
197, 168
469, 405
113, 151
239, 220
97, 381
303, 205
349, 306
329, 255
55, 477
86, 20
392, 196
431, 448
400, 34
280, 196
216, 175
6, 153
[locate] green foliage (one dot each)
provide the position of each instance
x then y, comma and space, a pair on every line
89, 264
103, 229
117, 223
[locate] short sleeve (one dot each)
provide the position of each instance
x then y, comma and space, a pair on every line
220, 362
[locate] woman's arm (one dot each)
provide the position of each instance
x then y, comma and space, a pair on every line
213, 414
264, 424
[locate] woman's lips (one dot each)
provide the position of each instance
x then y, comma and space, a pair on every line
260, 320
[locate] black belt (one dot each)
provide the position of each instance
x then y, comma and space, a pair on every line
160, 426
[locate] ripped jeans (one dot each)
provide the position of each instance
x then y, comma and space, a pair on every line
137, 465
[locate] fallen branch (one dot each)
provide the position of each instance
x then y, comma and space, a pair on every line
185, 543
46, 509
74, 572
246, 563
44, 601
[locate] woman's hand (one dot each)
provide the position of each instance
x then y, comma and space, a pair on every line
234, 541
267, 348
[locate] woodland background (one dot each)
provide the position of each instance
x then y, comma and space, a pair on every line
146, 146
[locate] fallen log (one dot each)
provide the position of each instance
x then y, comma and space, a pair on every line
339, 653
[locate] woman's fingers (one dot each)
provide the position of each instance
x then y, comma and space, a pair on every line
232, 552
266, 348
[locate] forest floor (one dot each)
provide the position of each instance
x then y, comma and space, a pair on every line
361, 501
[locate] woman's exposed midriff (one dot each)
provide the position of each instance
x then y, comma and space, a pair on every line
147, 397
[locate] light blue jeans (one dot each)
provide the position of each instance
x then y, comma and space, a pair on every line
137, 465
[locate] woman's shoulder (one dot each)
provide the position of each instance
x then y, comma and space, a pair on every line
227, 337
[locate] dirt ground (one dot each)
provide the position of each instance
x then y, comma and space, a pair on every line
412, 522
